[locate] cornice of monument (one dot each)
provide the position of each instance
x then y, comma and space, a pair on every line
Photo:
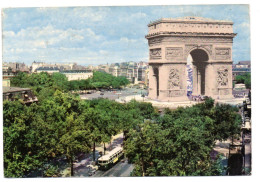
190, 19
190, 34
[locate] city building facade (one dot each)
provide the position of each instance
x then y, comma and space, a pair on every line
77, 74
241, 68
60, 66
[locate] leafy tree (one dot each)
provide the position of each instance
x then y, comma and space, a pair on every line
245, 78
74, 140
183, 138
52, 171
19, 79
69, 136
60, 81
91, 120
227, 121
21, 150
142, 147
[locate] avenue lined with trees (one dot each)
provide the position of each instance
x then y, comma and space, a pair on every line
177, 142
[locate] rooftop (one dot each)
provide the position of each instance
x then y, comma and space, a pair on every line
190, 19
14, 89
76, 71
47, 68
244, 62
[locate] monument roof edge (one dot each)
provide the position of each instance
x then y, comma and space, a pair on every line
189, 20
187, 34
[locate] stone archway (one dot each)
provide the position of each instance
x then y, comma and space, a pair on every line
210, 44
199, 61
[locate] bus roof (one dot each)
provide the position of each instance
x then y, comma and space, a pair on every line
107, 156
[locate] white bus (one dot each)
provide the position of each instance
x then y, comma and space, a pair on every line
106, 161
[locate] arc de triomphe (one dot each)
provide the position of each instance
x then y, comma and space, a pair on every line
208, 42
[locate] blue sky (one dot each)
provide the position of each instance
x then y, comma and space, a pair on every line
98, 35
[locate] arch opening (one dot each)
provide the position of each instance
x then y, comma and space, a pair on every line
156, 75
196, 69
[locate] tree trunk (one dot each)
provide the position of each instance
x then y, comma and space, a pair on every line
104, 148
143, 169
71, 167
94, 150
124, 136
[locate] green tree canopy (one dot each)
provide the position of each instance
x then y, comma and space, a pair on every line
179, 142
245, 78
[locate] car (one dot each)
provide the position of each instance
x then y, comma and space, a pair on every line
101, 93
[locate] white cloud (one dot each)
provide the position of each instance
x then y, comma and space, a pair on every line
132, 17
138, 15
37, 37
245, 25
100, 33
8, 34
127, 40
90, 14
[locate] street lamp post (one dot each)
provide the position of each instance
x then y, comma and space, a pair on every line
143, 97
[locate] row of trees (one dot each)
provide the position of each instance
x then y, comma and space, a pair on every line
179, 143
176, 143
62, 125
39, 81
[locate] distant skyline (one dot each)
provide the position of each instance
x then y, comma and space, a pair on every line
100, 35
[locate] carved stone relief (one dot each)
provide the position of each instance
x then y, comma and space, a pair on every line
175, 93
174, 79
224, 92
174, 53
155, 41
208, 48
222, 53
189, 47
156, 53
222, 77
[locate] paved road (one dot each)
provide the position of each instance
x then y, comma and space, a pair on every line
121, 169
248, 152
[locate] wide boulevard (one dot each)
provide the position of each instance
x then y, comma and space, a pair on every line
121, 169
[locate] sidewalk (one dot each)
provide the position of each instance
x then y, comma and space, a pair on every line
174, 105
155, 103
84, 167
